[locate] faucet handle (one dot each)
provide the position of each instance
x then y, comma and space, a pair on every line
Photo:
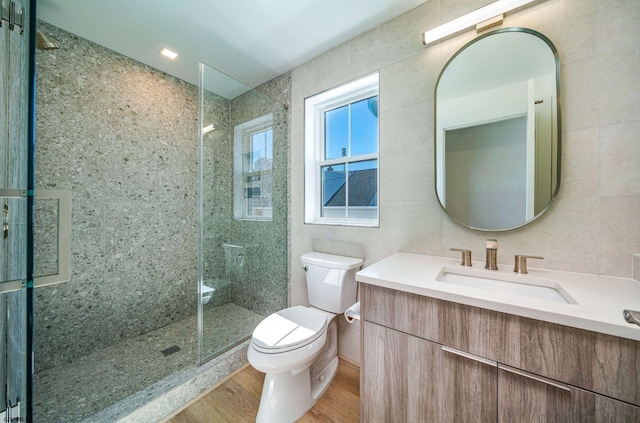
466, 256
521, 263
491, 244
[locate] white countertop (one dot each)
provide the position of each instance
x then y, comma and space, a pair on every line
600, 299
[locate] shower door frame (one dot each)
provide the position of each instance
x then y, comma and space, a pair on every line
18, 131
201, 356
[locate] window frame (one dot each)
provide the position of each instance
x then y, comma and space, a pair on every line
243, 145
314, 141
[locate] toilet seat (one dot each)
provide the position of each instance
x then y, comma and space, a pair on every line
289, 329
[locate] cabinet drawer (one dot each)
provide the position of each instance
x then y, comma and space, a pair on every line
601, 363
528, 398
409, 379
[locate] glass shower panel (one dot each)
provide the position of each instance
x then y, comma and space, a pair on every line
15, 347
243, 210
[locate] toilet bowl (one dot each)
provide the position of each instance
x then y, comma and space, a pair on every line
297, 348
296, 377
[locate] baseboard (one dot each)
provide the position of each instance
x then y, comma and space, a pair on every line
349, 361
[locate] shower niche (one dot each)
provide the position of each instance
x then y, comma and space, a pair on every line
243, 208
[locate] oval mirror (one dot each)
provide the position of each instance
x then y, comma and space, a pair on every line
497, 130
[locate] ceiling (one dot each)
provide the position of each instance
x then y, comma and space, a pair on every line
252, 41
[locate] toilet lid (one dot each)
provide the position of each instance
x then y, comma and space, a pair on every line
289, 328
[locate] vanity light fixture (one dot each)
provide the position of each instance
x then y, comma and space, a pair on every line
489, 11
168, 53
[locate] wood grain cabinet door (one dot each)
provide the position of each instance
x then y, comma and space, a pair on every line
470, 384
409, 379
524, 397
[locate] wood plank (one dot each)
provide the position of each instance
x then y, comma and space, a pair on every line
238, 398
234, 403
251, 381
202, 411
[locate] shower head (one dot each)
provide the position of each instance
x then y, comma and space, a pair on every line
44, 42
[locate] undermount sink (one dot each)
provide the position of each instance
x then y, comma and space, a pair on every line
507, 284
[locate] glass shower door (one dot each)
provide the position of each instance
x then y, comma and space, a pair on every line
15, 344
243, 263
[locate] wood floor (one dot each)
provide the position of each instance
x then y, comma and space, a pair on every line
236, 400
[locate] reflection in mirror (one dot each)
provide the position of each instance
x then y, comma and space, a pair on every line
497, 128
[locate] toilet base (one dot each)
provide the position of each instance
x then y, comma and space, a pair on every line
287, 396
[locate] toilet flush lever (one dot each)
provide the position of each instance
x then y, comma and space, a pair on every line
305, 268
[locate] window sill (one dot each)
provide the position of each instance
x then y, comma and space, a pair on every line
337, 222
253, 219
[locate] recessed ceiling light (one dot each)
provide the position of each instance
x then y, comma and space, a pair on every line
168, 53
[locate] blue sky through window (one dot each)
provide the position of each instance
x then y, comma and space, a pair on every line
364, 129
261, 148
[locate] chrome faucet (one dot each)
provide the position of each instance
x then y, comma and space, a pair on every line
491, 246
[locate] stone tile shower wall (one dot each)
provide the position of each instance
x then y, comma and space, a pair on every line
217, 193
262, 285
122, 137
245, 261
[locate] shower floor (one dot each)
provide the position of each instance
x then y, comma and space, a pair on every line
77, 390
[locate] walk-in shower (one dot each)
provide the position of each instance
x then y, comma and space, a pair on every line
153, 223
243, 208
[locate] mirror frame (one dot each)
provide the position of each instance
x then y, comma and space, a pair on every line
558, 124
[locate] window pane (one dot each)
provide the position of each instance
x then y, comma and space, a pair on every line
333, 191
269, 145
336, 133
364, 127
261, 150
363, 184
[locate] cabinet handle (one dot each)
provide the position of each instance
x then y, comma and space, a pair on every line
535, 377
469, 356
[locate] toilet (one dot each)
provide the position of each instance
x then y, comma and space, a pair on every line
297, 348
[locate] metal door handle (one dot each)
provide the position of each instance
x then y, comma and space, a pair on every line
469, 356
5, 222
534, 377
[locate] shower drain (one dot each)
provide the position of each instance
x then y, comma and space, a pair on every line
167, 352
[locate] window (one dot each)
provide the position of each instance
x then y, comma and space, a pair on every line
341, 155
253, 168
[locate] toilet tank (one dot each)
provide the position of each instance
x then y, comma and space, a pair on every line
331, 280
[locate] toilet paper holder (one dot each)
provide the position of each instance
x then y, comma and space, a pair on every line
353, 313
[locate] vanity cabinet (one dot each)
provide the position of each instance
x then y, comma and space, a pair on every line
429, 360
410, 379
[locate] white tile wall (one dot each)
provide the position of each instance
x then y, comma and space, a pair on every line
593, 225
